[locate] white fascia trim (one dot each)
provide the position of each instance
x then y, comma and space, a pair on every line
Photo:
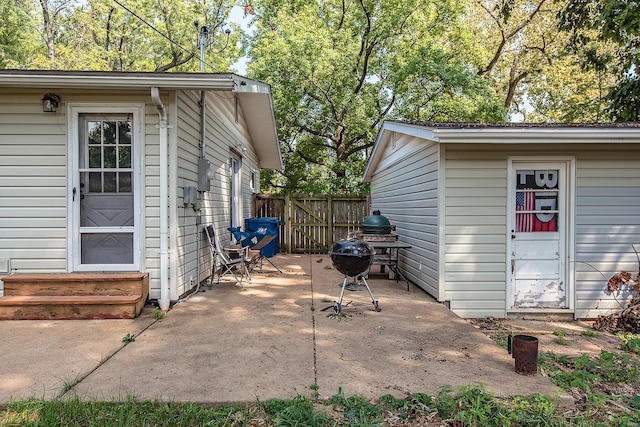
538, 135
123, 81
383, 139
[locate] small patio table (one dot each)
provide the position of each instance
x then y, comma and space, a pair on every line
389, 257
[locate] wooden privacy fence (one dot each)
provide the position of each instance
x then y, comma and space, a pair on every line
312, 223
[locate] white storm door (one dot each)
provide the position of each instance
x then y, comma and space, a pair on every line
538, 236
105, 192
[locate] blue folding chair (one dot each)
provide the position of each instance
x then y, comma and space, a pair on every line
255, 241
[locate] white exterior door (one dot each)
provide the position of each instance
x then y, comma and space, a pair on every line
235, 190
105, 195
538, 276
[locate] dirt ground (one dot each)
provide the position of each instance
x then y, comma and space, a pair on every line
569, 338
563, 338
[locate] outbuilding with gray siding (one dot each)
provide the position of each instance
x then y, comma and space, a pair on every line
512, 219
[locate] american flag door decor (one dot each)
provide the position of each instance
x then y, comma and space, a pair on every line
536, 198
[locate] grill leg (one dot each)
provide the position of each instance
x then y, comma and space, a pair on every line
338, 306
373, 299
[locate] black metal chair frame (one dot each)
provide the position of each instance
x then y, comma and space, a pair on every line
229, 260
256, 253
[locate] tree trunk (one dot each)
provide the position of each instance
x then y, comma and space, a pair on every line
49, 32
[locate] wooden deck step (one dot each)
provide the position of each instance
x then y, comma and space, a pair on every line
70, 307
76, 284
91, 295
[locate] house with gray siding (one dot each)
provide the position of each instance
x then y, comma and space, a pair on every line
120, 171
512, 219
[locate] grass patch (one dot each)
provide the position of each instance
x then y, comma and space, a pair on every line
466, 406
589, 333
631, 343
561, 337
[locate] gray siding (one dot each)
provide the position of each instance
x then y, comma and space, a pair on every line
405, 190
151, 204
33, 183
475, 230
187, 154
34, 173
223, 134
607, 225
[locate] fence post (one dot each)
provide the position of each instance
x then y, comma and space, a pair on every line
286, 213
330, 235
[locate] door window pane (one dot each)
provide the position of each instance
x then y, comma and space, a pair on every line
95, 157
95, 182
94, 132
107, 248
124, 156
109, 157
124, 133
109, 182
110, 132
124, 182
537, 194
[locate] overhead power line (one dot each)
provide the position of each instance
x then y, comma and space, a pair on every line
161, 33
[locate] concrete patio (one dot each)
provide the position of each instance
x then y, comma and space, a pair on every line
272, 340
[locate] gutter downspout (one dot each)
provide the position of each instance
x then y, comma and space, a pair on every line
164, 301
203, 133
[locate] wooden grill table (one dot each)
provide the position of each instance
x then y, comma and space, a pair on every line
387, 254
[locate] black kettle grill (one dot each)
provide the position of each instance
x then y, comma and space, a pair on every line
352, 257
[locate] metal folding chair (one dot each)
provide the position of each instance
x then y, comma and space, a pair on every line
228, 260
256, 253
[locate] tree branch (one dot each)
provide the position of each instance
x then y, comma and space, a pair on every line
505, 37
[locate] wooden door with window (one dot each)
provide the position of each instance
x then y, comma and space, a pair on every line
538, 236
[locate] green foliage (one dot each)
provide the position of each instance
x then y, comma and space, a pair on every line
606, 34
583, 372
132, 35
468, 406
560, 333
16, 40
157, 313
409, 409
471, 406
129, 338
298, 411
624, 100
356, 410
339, 69
560, 337
631, 342
534, 410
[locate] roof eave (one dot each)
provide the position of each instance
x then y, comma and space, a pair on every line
613, 133
538, 135
117, 80
254, 96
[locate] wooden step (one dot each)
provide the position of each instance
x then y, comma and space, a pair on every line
70, 307
91, 295
99, 283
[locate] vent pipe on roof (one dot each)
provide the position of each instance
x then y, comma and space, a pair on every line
163, 301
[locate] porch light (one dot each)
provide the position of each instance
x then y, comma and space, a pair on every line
50, 102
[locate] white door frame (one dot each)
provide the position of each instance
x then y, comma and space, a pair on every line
235, 191
567, 224
74, 110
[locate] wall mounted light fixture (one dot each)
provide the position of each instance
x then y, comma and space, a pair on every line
50, 102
